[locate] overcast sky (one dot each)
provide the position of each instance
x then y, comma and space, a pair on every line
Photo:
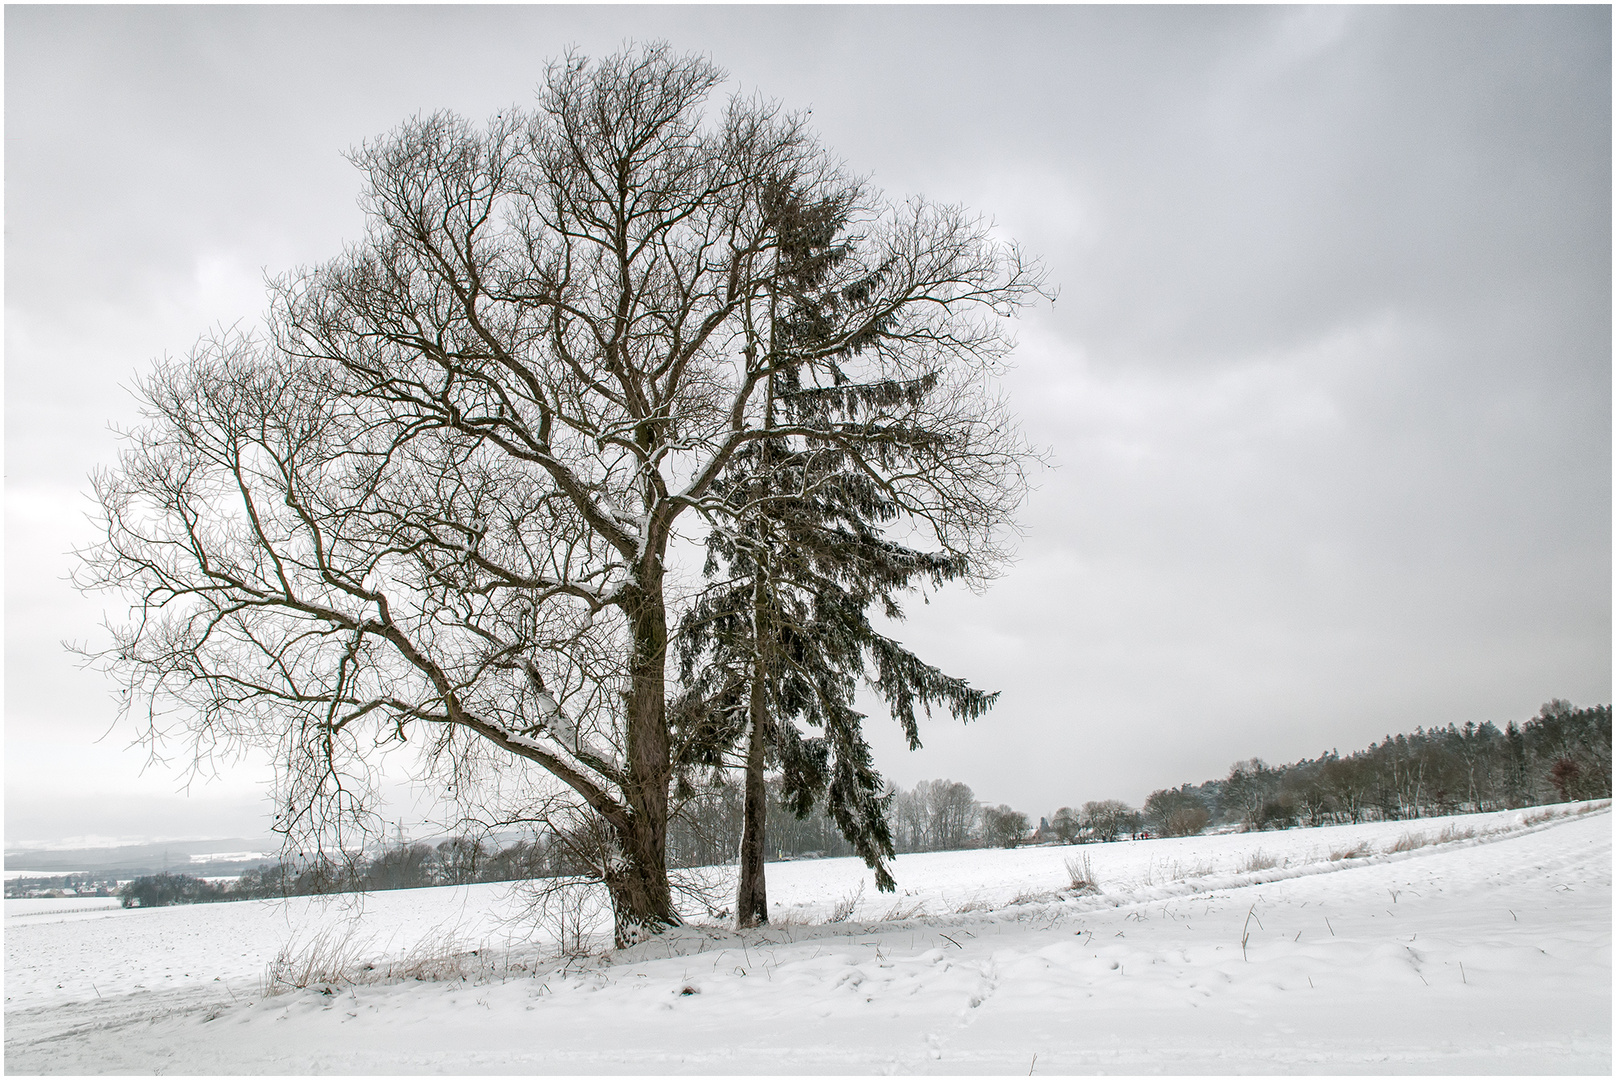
1327, 387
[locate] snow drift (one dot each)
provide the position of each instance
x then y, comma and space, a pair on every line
1456, 945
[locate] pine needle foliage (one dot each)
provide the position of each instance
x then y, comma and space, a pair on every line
782, 637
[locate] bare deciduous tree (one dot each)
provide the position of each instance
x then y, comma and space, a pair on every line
1003, 826
1106, 819
435, 501
1175, 812
1066, 823
952, 814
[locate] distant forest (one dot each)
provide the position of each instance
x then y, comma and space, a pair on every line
1560, 755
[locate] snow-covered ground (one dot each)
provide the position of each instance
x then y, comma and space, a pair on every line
1482, 945
46, 909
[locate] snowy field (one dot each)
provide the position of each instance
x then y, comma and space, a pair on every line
1475, 944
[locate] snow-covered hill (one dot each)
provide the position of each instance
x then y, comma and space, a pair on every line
1466, 944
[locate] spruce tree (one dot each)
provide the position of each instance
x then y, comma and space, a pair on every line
783, 633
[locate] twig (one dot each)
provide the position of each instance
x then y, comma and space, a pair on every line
1033, 1066
952, 942
1462, 974
1327, 923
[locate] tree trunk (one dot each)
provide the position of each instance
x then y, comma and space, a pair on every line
751, 895
642, 904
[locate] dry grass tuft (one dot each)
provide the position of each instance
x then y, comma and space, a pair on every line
846, 905
781, 917
437, 956
1081, 874
330, 958
1200, 868
1259, 860
900, 910
1409, 842
1454, 833
1360, 850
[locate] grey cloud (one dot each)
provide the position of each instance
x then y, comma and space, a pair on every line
1328, 382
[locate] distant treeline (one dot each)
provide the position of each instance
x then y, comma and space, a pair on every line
160, 890
1563, 753
937, 815
461, 860
1560, 755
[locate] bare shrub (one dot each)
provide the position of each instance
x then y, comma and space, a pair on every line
1187, 821
1081, 873
845, 906
707, 889
575, 914
568, 909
